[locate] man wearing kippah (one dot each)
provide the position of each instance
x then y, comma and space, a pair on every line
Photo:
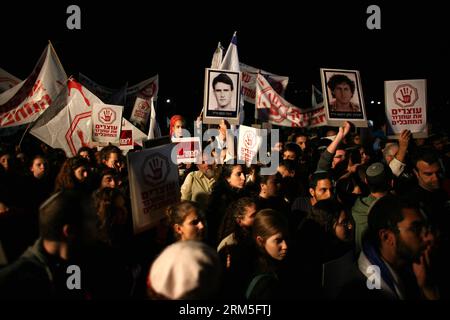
379, 179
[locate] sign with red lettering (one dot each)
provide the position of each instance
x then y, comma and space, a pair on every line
248, 144
141, 111
26, 101
276, 110
153, 185
188, 150
106, 122
278, 83
406, 106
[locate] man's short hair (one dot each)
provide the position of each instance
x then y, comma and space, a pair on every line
317, 176
224, 78
338, 79
385, 213
67, 207
426, 154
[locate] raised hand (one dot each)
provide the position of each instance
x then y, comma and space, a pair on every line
404, 138
347, 127
422, 272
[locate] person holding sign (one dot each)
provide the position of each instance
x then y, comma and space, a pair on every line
342, 88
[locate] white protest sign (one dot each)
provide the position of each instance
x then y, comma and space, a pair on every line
249, 143
153, 185
141, 111
406, 106
187, 150
106, 122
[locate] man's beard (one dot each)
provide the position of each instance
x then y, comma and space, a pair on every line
406, 253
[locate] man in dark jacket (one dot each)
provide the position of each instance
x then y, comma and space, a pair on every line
43, 272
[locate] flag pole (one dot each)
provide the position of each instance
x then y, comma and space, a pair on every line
23, 136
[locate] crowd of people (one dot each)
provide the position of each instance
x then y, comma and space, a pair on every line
345, 216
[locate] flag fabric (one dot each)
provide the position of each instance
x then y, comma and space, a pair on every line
154, 131
102, 92
277, 110
217, 57
316, 97
27, 100
125, 95
231, 62
66, 124
7, 80
249, 73
231, 59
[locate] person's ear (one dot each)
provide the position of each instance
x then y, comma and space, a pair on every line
387, 237
178, 229
67, 230
312, 192
260, 241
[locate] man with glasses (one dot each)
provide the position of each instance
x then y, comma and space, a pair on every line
395, 257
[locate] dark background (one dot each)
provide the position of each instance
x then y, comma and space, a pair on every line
131, 41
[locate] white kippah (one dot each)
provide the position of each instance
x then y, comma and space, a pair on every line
186, 270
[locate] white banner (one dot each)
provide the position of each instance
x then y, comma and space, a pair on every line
66, 124
278, 83
188, 150
271, 106
106, 122
406, 105
153, 185
249, 143
25, 102
7, 80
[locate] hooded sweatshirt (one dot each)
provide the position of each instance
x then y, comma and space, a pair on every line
360, 211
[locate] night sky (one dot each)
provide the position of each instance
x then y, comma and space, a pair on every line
131, 41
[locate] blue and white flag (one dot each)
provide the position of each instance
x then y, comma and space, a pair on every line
231, 62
